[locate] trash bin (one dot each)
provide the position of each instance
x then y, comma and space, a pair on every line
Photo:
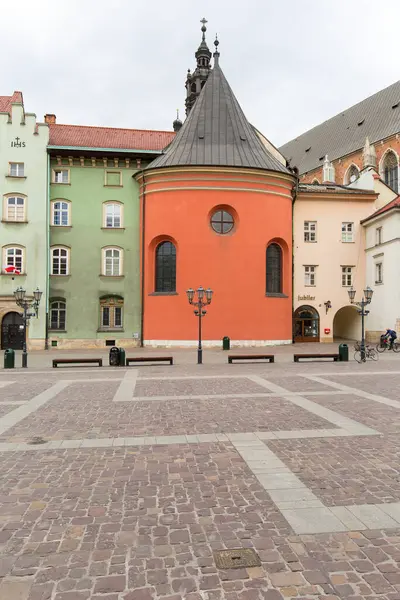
343, 352
226, 343
114, 357
9, 358
121, 357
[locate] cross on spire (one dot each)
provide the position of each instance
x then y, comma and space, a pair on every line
204, 28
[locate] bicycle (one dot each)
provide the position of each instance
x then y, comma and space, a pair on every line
369, 353
384, 344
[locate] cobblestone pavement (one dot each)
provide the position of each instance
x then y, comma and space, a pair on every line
122, 484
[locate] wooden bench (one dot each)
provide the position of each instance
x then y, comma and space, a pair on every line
298, 357
73, 361
269, 357
138, 359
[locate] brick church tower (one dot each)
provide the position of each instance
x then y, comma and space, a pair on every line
216, 212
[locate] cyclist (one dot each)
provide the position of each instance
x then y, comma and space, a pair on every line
391, 335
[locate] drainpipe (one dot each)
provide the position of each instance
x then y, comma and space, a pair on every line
294, 196
143, 259
46, 341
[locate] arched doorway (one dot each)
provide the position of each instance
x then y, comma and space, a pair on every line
12, 331
347, 324
306, 324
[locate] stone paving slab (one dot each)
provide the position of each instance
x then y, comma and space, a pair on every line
25, 390
193, 387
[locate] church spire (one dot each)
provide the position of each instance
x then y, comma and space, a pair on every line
196, 80
177, 124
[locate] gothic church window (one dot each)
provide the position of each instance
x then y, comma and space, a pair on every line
391, 171
165, 267
274, 269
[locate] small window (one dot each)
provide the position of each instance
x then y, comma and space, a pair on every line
14, 257
352, 174
222, 221
60, 175
274, 269
310, 231
347, 232
379, 273
61, 213
112, 262
112, 215
165, 268
309, 275
113, 178
347, 276
15, 209
59, 261
16, 169
57, 315
111, 313
378, 236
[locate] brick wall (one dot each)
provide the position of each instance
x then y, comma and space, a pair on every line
341, 165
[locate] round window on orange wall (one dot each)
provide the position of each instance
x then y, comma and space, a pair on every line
222, 221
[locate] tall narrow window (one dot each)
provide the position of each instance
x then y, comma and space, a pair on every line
347, 232
347, 276
165, 267
391, 171
57, 315
13, 257
309, 275
59, 261
15, 209
112, 262
379, 273
61, 213
112, 215
274, 269
310, 231
378, 236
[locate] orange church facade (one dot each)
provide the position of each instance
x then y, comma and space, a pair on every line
179, 209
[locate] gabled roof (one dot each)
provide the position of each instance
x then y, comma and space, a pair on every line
392, 205
216, 133
376, 117
82, 136
7, 101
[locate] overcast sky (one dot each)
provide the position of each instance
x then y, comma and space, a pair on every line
123, 63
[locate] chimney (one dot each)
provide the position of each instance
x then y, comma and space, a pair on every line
50, 119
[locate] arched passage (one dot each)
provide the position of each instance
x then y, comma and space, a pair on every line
347, 324
306, 324
12, 331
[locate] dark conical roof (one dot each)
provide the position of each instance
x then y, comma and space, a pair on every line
216, 133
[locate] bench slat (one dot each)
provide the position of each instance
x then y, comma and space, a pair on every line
298, 357
268, 357
137, 359
74, 361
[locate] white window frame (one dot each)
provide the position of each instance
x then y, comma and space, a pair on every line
19, 169
310, 232
379, 272
17, 251
53, 249
310, 275
347, 232
58, 309
112, 172
378, 236
347, 276
55, 178
113, 204
61, 210
108, 264
7, 208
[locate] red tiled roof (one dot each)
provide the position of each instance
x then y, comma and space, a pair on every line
82, 136
395, 203
7, 101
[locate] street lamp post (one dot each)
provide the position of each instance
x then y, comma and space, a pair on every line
366, 299
27, 304
204, 298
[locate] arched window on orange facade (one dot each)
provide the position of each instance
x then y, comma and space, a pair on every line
274, 269
165, 267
